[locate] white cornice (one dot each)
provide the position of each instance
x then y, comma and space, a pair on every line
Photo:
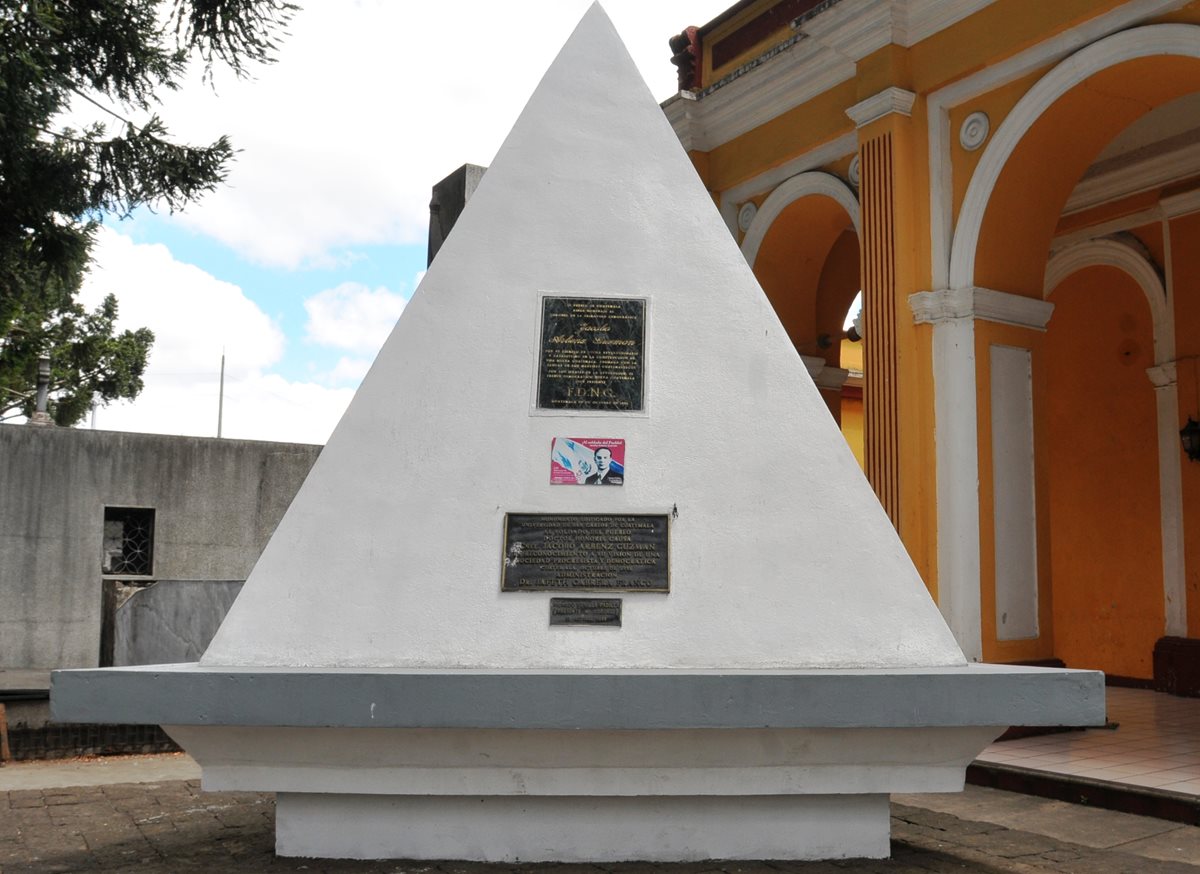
830, 45
678, 110
825, 55
1134, 178
950, 304
888, 101
1012, 309
924, 18
826, 153
794, 77
1108, 228
1168, 208
854, 29
826, 378
934, 307
1181, 204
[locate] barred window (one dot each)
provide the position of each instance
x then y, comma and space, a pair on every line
128, 541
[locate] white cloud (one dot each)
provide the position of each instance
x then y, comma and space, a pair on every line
258, 406
352, 316
373, 101
193, 314
348, 370
194, 317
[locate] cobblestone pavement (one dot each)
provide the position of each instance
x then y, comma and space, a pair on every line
172, 827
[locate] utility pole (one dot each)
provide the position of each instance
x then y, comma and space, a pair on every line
221, 395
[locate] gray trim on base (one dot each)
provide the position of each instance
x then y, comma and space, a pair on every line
968, 695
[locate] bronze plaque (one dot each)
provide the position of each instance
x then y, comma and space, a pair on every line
585, 611
592, 354
585, 552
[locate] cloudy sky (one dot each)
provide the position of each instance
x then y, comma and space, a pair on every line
299, 267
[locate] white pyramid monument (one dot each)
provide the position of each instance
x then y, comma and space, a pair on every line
779, 542
768, 673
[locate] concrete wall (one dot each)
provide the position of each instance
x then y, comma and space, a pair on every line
216, 502
171, 621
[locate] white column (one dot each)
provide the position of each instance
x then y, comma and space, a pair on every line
1170, 495
956, 445
952, 313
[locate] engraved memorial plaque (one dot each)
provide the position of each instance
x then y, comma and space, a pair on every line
585, 552
585, 611
592, 354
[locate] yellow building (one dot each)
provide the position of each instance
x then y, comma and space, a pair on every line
1015, 187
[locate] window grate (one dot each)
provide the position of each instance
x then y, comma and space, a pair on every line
128, 541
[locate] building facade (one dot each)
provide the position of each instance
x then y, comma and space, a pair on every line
1014, 186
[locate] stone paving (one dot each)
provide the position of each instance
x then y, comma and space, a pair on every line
173, 827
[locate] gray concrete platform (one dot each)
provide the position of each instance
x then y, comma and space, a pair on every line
965, 695
167, 825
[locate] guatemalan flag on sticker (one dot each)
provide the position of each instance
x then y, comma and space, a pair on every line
587, 461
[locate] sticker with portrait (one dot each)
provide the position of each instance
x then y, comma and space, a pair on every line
587, 461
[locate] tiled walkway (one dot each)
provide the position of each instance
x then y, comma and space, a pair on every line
1155, 745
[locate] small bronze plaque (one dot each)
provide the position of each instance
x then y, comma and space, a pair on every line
585, 552
592, 354
585, 611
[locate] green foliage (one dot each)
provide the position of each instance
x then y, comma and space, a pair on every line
88, 361
56, 183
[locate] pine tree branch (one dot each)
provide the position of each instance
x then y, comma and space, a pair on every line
102, 107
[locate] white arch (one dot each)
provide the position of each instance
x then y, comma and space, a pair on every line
1139, 42
787, 193
1114, 253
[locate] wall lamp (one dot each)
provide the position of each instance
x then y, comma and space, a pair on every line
1189, 436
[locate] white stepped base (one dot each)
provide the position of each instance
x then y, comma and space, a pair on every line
581, 829
578, 766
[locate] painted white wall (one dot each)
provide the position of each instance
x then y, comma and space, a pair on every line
593, 829
1014, 505
780, 555
580, 762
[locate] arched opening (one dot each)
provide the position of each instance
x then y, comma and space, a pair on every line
1101, 436
852, 361
1105, 145
803, 247
1048, 140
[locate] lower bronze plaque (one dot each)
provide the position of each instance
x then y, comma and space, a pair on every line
585, 551
585, 611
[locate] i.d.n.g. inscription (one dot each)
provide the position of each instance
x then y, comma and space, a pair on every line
592, 354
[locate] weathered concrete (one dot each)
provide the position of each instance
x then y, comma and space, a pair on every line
450, 197
98, 771
160, 827
1060, 820
216, 502
171, 621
